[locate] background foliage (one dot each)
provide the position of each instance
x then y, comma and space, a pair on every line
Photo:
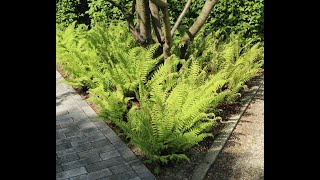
68, 11
244, 17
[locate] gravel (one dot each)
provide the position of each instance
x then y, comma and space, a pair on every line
243, 156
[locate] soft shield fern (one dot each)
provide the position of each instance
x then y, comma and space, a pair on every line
172, 119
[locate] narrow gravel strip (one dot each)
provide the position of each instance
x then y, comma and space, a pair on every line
201, 169
243, 154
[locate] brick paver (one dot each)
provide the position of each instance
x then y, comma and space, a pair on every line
87, 148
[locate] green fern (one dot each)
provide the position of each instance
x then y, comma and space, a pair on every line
172, 119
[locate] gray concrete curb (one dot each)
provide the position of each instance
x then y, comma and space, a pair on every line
201, 169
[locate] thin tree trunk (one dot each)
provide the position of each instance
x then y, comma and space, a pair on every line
183, 13
197, 25
156, 21
144, 21
167, 35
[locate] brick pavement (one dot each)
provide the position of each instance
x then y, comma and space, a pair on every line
87, 148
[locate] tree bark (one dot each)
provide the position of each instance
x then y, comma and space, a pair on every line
145, 37
156, 21
160, 3
197, 25
167, 35
183, 13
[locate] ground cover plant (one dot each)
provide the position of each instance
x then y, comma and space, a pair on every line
155, 86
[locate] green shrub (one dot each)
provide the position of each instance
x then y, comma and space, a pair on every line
101, 11
242, 17
68, 11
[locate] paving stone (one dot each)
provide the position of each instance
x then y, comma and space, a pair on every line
109, 155
104, 164
67, 158
112, 136
86, 147
89, 111
119, 144
75, 132
120, 168
71, 173
100, 124
81, 177
58, 168
68, 125
81, 162
143, 171
88, 139
60, 136
61, 112
81, 103
122, 176
99, 174
81, 120
80, 148
60, 120
63, 147
75, 114
70, 139
74, 108
67, 129
77, 97
136, 178
87, 126
127, 154
93, 133
95, 151
100, 143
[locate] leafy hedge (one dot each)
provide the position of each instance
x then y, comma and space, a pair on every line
243, 17
68, 11
239, 16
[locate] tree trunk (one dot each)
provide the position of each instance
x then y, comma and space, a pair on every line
197, 25
167, 35
156, 21
142, 7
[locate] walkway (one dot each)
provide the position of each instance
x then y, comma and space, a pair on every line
87, 148
243, 155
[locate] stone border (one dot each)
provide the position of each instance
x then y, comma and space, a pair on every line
201, 169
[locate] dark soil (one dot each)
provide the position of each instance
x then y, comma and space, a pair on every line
180, 170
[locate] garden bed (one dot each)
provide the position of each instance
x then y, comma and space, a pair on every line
183, 169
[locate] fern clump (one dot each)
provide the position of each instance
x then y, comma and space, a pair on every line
105, 60
175, 109
172, 105
235, 59
124, 72
173, 119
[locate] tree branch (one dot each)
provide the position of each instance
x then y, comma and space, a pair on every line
183, 13
133, 8
197, 25
160, 3
167, 36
